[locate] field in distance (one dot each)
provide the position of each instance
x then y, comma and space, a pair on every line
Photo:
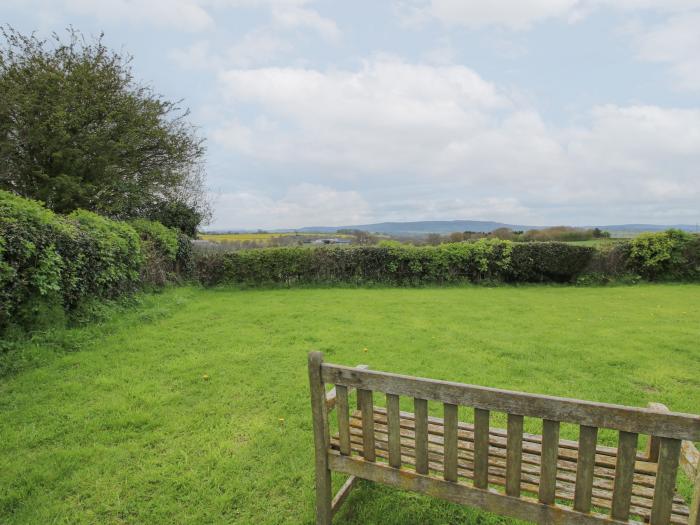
266, 236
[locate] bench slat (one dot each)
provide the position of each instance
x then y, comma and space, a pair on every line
624, 475
669, 456
421, 410
450, 442
514, 454
529, 483
341, 404
364, 398
585, 468
394, 426
550, 452
481, 448
602, 415
489, 500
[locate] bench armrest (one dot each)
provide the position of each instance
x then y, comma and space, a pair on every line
331, 394
690, 457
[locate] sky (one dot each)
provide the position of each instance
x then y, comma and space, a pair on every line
335, 113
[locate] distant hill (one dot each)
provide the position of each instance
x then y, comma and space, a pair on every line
443, 227
425, 227
420, 227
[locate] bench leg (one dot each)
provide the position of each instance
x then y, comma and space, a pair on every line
324, 513
343, 494
695, 503
319, 413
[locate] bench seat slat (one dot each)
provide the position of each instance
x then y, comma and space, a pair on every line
604, 467
489, 500
643, 487
641, 500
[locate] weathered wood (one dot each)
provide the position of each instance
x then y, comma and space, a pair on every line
514, 453
319, 415
618, 417
481, 448
550, 452
690, 457
602, 493
568, 450
652, 448
331, 395
343, 419
695, 503
531, 458
669, 454
420, 407
588, 437
565, 491
569, 478
624, 473
343, 494
450, 441
364, 398
489, 500
394, 423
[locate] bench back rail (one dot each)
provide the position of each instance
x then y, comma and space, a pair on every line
668, 429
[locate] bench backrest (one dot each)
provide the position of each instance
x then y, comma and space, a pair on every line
670, 428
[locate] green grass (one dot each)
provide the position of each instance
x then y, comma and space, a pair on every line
127, 428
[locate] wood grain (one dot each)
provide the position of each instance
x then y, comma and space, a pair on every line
602, 415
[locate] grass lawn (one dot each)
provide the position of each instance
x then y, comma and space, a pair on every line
193, 407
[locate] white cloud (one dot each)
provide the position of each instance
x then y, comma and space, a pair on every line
523, 14
182, 14
676, 42
397, 130
187, 15
302, 205
258, 47
301, 17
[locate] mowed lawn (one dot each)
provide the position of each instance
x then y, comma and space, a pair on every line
193, 407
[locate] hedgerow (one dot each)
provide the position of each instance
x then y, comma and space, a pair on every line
481, 261
50, 263
673, 254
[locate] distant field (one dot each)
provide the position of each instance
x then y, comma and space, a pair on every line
598, 243
194, 407
241, 237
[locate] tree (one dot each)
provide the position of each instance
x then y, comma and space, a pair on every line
177, 214
77, 131
505, 234
433, 239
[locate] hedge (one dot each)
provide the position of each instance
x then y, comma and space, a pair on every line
50, 263
490, 260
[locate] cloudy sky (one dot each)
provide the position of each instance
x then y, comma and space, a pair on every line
339, 112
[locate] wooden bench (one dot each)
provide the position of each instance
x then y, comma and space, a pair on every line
537, 478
